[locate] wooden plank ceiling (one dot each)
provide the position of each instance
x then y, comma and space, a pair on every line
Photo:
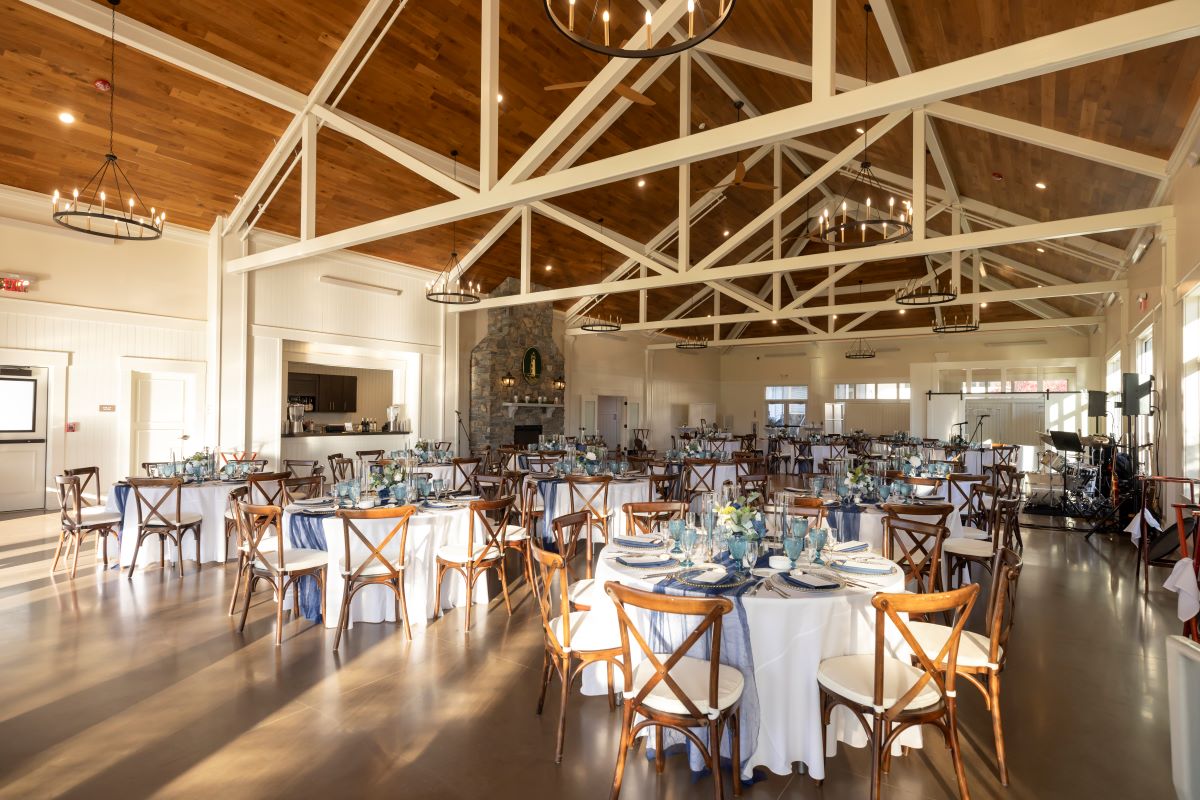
192, 146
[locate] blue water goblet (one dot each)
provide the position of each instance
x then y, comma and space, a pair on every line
688, 541
676, 527
819, 538
793, 546
737, 544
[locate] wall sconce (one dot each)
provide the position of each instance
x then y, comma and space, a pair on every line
508, 381
559, 384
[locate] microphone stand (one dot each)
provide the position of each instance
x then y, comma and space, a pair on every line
960, 426
466, 432
979, 428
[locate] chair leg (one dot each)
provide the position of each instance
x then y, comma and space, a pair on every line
955, 754
106, 534
714, 757
343, 616
612, 699
237, 583
199, 558
997, 731
623, 752
660, 759
735, 751
162, 552
470, 578
546, 669
404, 606
876, 757
279, 612
58, 549
78, 546
179, 551
562, 709
245, 598
437, 593
136, 549
504, 588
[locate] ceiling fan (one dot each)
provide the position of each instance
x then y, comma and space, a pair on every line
739, 171
623, 89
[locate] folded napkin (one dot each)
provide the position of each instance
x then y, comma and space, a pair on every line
464, 496
808, 580
1182, 580
850, 547
863, 566
646, 560
710, 576
1134, 528
638, 541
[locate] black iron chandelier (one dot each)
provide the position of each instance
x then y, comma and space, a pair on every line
121, 214
601, 324
691, 343
860, 349
959, 322
448, 287
861, 217
920, 292
597, 26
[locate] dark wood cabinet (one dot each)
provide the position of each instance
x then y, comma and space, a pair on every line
334, 394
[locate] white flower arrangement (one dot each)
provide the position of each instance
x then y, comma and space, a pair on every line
590, 456
858, 480
915, 462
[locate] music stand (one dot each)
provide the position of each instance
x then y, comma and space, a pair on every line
1066, 441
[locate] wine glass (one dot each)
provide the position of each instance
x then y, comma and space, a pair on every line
753, 550
818, 538
688, 540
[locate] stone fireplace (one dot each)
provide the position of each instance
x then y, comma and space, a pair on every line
511, 331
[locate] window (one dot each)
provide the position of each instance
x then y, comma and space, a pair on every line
872, 391
1112, 386
786, 405
987, 380
1058, 379
1009, 379
1021, 379
1191, 385
1144, 364
953, 380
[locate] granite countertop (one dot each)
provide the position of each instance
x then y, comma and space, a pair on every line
346, 433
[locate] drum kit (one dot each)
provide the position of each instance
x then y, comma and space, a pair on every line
1081, 462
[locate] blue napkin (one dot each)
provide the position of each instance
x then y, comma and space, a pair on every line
641, 563
623, 541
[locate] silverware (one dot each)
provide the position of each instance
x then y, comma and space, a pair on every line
669, 574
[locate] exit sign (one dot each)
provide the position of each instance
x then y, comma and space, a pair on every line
14, 283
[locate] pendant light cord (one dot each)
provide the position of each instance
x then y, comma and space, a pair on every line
112, 76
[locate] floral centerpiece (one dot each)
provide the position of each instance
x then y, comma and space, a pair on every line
588, 461
741, 516
422, 445
915, 465
389, 476
859, 482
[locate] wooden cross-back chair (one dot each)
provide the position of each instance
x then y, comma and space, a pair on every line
676, 691
164, 518
934, 513
568, 531
368, 455
590, 493
662, 486
302, 467
483, 551
925, 487
269, 559
1153, 487
802, 458
748, 465
572, 639
89, 480
541, 463
747, 441
442, 445
302, 488
982, 506
532, 506
1006, 455
492, 487
464, 472
812, 508
1003, 532
699, 476
154, 469
643, 518
896, 694
365, 562
236, 498
917, 548
640, 463
749, 485
958, 491
837, 450
266, 488
340, 468
78, 518
1005, 478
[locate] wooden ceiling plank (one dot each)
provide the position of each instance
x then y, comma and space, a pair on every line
1163, 23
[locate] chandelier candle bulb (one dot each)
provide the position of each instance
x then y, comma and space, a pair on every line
54, 202
649, 30
606, 41
571, 15
691, 18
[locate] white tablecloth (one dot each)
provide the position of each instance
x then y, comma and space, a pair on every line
208, 499
870, 527
789, 639
620, 492
427, 531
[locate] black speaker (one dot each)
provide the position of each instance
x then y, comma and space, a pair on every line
1135, 395
1097, 404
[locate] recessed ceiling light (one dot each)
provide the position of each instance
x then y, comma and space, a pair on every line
1040, 185
835, 316
499, 98
66, 117
774, 322
548, 268
902, 311
725, 233
859, 130
983, 305
1041, 249
641, 182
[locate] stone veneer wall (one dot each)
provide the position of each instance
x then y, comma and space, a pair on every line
510, 331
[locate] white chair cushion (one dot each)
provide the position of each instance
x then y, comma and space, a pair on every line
373, 569
580, 592
976, 533
98, 515
853, 677
588, 634
268, 545
976, 548
457, 553
294, 559
185, 518
972, 647
692, 676
515, 533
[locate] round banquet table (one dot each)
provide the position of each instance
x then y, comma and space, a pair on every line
209, 499
443, 471
556, 499
788, 638
428, 530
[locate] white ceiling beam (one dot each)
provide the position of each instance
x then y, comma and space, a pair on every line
828, 283
489, 90
896, 333
684, 240
824, 47
968, 298
611, 239
526, 248
486, 242
1099, 223
854, 323
308, 178
600, 87
1149, 27
1050, 139
770, 63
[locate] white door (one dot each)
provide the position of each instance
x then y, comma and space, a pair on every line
164, 413
23, 439
610, 411
587, 414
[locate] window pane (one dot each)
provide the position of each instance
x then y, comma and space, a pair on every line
775, 414
864, 391
986, 380
886, 391
795, 413
1058, 379
1021, 379
953, 380
905, 391
787, 392
843, 391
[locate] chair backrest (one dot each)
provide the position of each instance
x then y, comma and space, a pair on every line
1003, 476
154, 469
699, 475
441, 445
70, 501
754, 487
958, 490
925, 487
982, 508
266, 488
294, 467
464, 471
938, 513
370, 455
89, 480
542, 463
710, 610
549, 569
662, 486
811, 507
302, 488
342, 469
752, 465
256, 464
590, 493
643, 517
938, 668
165, 511
917, 548
568, 529
489, 519
492, 487
374, 553
1002, 603
256, 521
640, 464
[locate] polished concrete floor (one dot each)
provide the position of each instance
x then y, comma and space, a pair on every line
110, 687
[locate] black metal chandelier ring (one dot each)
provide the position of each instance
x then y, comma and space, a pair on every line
694, 38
